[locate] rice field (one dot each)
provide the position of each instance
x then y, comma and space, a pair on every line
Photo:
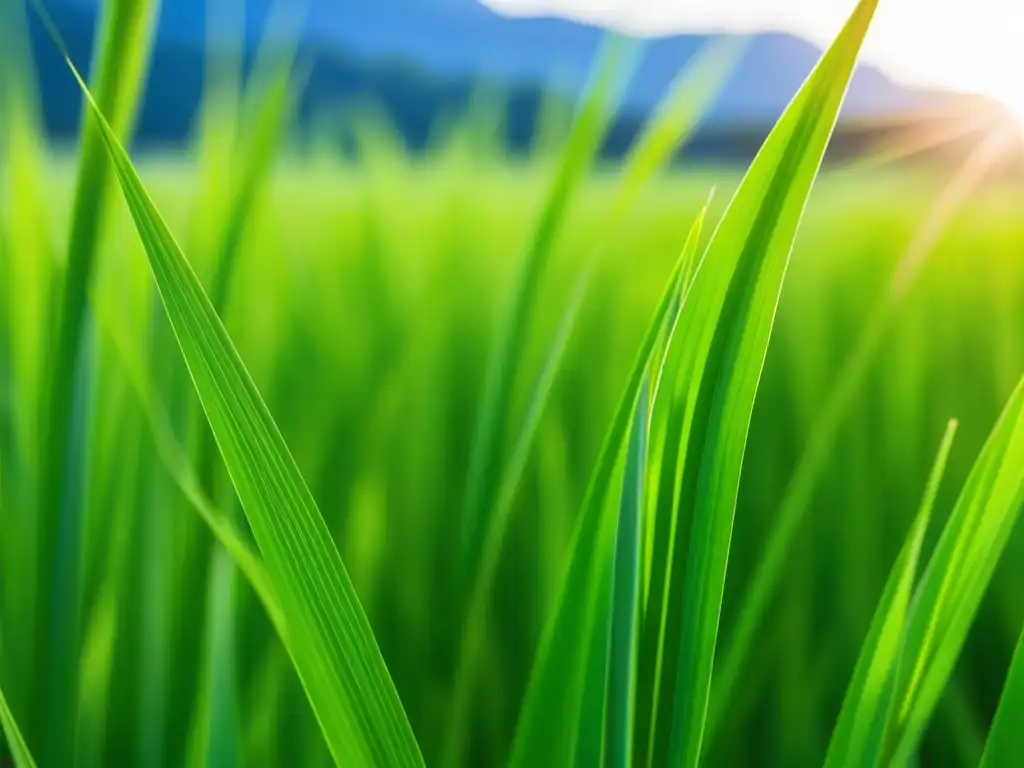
614, 477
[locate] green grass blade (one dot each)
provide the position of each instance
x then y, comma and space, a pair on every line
842, 398
721, 337
15, 742
1005, 744
554, 693
958, 575
329, 638
590, 747
121, 55
28, 254
626, 597
660, 527
215, 731
859, 736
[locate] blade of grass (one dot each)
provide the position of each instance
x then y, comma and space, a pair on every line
329, 637
215, 728
270, 117
15, 742
958, 576
27, 266
721, 338
590, 744
556, 681
626, 597
859, 735
28, 257
660, 529
1005, 743
838, 404
122, 50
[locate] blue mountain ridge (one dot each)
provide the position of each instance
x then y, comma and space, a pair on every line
424, 55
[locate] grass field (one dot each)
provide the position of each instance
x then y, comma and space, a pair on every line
367, 300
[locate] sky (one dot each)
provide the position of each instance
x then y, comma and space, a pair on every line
969, 45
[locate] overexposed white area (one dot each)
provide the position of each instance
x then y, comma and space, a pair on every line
969, 45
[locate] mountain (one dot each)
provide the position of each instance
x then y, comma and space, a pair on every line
421, 59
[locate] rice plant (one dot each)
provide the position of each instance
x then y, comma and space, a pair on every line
461, 459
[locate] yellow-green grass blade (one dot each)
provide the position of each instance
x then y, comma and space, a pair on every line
859, 735
1005, 743
329, 637
28, 255
721, 337
838, 405
122, 51
26, 271
553, 696
496, 399
15, 742
958, 576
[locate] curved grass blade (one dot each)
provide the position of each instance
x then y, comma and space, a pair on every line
625, 620
958, 576
329, 637
660, 528
553, 696
839, 403
15, 742
720, 340
267, 107
859, 736
1005, 744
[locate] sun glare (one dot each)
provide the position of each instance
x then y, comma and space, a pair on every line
1016, 109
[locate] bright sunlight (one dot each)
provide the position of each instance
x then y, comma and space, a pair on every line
969, 45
